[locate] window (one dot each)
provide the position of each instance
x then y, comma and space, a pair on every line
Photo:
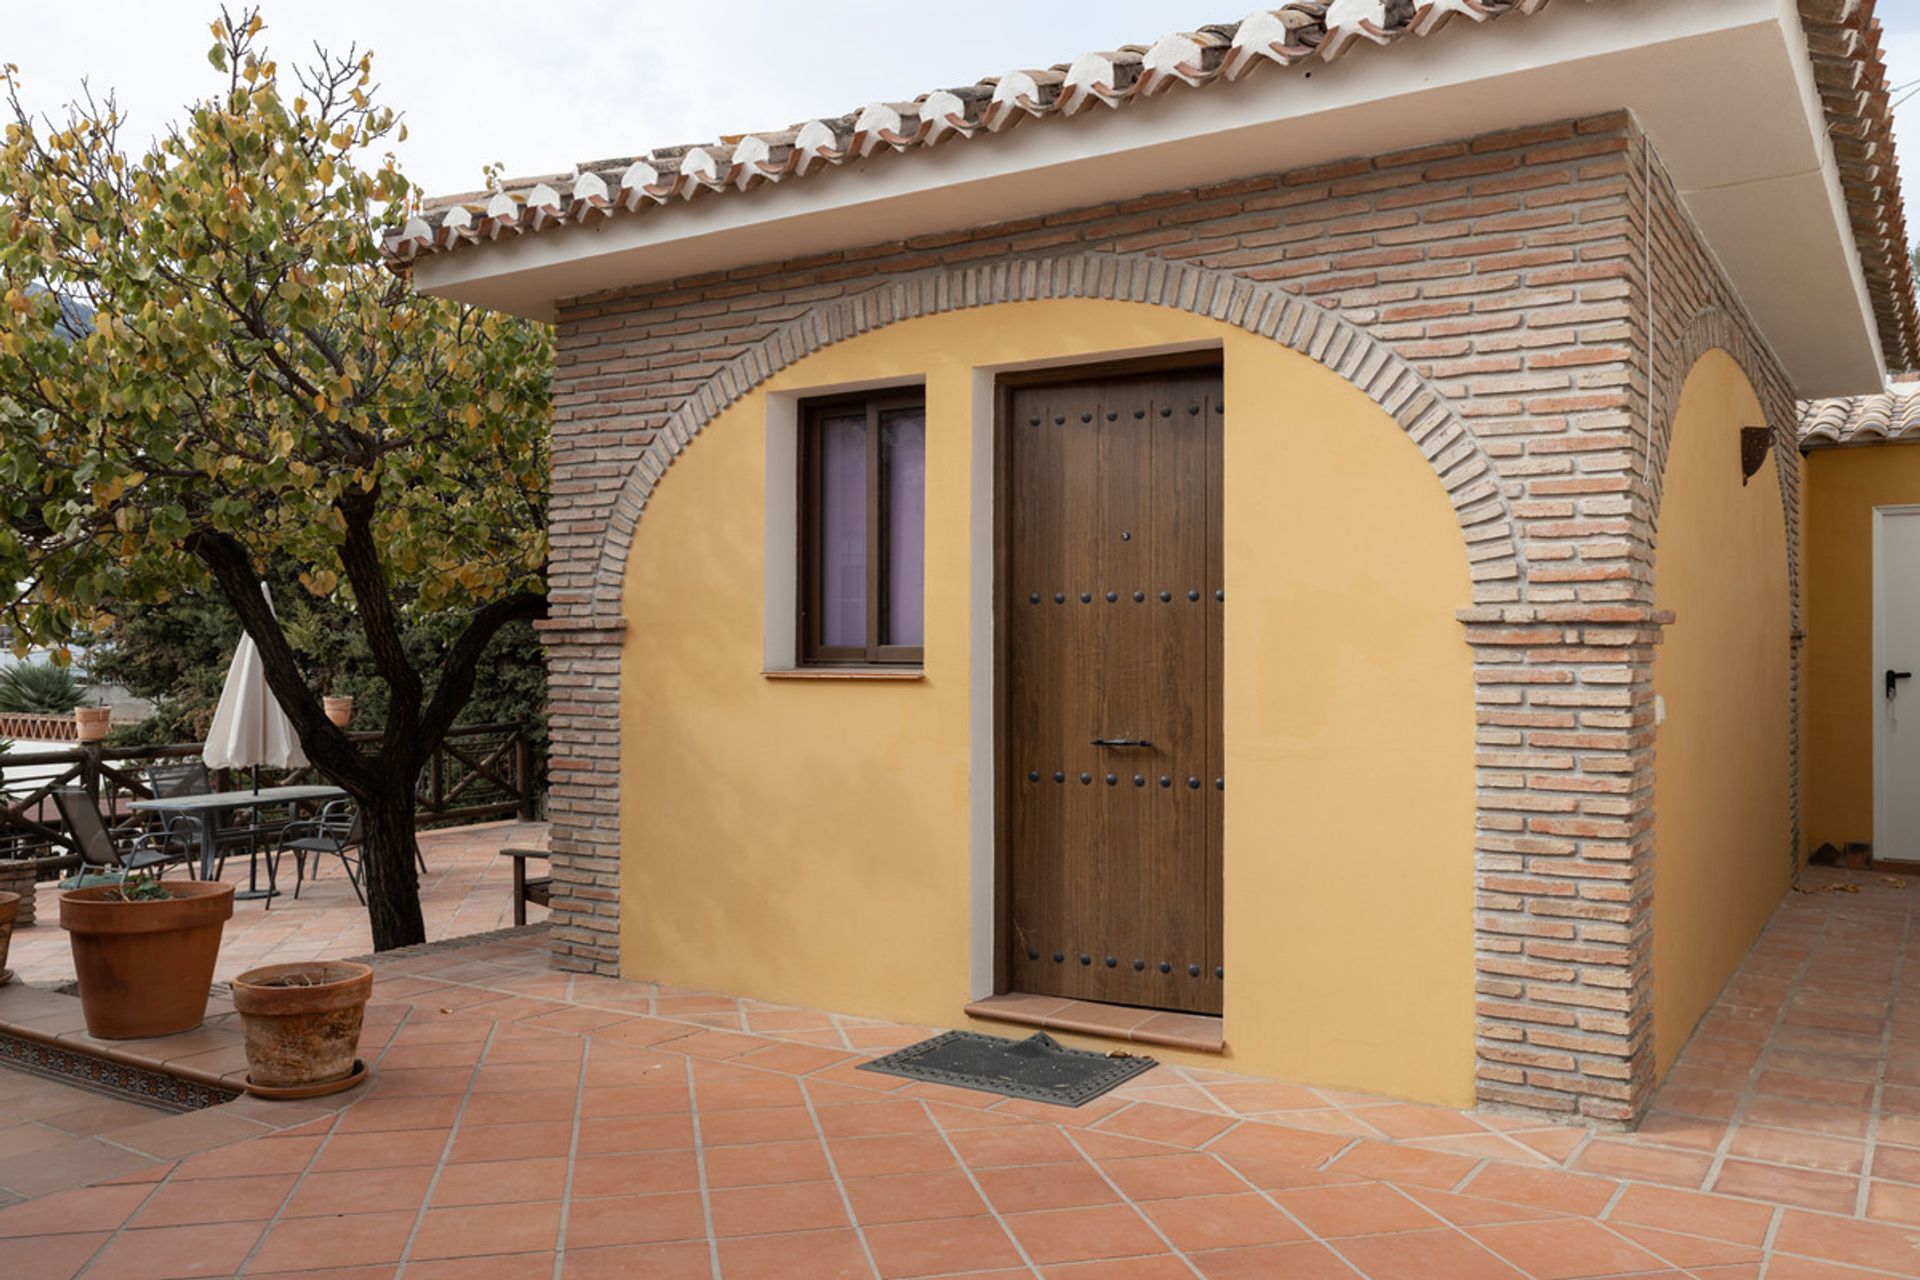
863, 469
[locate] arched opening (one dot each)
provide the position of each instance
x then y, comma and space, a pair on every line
1722, 788
820, 843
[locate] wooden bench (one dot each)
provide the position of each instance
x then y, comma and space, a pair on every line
538, 890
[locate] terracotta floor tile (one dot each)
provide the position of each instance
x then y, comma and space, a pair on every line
80, 1209
761, 1124
1262, 1095
166, 1253
634, 1100
229, 1200
339, 1241
1164, 1267
70, 1164
941, 1247
1274, 1262
818, 1255
1566, 1250
767, 1162
1031, 1187
1271, 1144
1828, 1192
1812, 1117
1175, 1126
654, 1262
1076, 1235
1543, 1188
501, 1182
1180, 1174
519, 1108
509, 1266
51, 1257
1720, 1217
646, 1219
1897, 1164
659, 1171
1425, 1255
352, 1191
1617, 1158
1017, 1144
870, 1119
412, 1147
1362, 1209
884, 1156
791, 1206
1859, 1244
1802, 1150
1894, 1202
468, 1230
913, 1197
1222, 1222
1687, 1250
1471, 1211
1405, 1120
1433, 1169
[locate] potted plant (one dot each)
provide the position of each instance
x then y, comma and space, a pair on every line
144, 952
339, 708
302, 1024
9, 907
90, 724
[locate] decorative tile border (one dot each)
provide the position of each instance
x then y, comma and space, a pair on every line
100, 1075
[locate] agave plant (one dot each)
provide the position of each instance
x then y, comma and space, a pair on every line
40, 687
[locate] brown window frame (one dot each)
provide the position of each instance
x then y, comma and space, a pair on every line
811, 652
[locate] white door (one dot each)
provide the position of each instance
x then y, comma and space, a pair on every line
1896, 683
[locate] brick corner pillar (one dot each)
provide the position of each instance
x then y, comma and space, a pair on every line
583, 786
1563, 861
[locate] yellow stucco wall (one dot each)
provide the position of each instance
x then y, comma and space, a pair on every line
1843, 486
809, 842
1721, 809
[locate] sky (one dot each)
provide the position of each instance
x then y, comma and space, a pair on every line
538, 87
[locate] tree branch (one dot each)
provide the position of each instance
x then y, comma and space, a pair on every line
327, 745
456, 675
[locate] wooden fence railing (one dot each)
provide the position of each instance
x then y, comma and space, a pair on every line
479, 772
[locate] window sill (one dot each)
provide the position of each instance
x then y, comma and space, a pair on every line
846, 673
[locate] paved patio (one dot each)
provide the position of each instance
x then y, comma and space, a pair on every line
466, 889
530, 1122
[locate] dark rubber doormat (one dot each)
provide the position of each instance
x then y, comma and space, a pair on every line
1038, 1068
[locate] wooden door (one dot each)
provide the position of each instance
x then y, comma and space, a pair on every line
1113, 603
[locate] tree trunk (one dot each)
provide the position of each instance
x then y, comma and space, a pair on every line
390, 869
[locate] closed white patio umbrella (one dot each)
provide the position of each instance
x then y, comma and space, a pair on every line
249, 728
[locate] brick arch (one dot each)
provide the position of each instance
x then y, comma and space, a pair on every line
1451, 449
1710, 329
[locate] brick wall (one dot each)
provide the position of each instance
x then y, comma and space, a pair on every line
1525, 303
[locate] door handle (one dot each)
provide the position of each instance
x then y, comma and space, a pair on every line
1121, 742
1893, 681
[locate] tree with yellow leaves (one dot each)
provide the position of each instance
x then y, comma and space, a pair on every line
204, 369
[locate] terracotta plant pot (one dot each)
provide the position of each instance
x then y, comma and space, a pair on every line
145, 967
302, 1022
9, 908
339, 708
90, 724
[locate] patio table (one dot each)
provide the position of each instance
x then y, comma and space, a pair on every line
208, 807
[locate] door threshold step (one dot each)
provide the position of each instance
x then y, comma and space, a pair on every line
1195, 1032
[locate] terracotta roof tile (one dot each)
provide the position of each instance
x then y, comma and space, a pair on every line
1843, 35
1892, 415
1305, 30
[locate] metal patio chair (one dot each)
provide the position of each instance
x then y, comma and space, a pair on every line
191, 778
101, 854
335, 832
